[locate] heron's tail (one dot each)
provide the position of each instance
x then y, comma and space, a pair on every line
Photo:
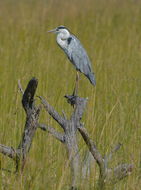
91, 78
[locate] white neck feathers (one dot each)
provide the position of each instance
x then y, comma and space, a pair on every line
62, 38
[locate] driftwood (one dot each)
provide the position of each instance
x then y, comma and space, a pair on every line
69, 136
19, 154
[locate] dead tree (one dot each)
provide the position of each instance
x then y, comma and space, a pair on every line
69, 136
19, 154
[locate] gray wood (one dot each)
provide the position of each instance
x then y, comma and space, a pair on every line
69, 137
107, 175
32, 114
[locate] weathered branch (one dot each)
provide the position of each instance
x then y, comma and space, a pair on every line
69, 137
107, 176
55, 115
118, 173
93, 149
9, 151
108, 157
20, 87
32, 115
52, 131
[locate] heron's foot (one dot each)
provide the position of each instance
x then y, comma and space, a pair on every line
71, 99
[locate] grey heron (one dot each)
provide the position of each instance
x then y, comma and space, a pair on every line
75, 53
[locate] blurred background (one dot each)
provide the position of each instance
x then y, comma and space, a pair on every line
110, 31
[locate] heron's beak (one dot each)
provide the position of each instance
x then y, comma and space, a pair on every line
54, 30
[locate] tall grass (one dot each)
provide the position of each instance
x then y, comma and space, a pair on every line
111, 32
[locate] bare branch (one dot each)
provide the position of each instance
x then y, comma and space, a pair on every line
69, 138
53, 113
107, 176
92, 147
32, 114
51, 130
118, 173
9, 151
20, 87
108, 157
123, 170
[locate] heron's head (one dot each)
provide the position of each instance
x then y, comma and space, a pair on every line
61, 30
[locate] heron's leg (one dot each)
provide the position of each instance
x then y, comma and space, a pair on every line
75, 91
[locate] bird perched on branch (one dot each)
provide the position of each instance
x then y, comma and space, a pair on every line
75, 53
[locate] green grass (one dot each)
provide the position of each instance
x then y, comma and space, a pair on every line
111, 33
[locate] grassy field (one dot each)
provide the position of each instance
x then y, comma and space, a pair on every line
111, 32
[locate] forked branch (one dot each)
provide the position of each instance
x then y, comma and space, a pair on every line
69, 135
54, 114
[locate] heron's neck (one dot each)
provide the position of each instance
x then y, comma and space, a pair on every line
62, 38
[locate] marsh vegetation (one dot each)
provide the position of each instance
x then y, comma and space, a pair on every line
110, 31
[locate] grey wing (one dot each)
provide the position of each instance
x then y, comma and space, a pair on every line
79, 57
